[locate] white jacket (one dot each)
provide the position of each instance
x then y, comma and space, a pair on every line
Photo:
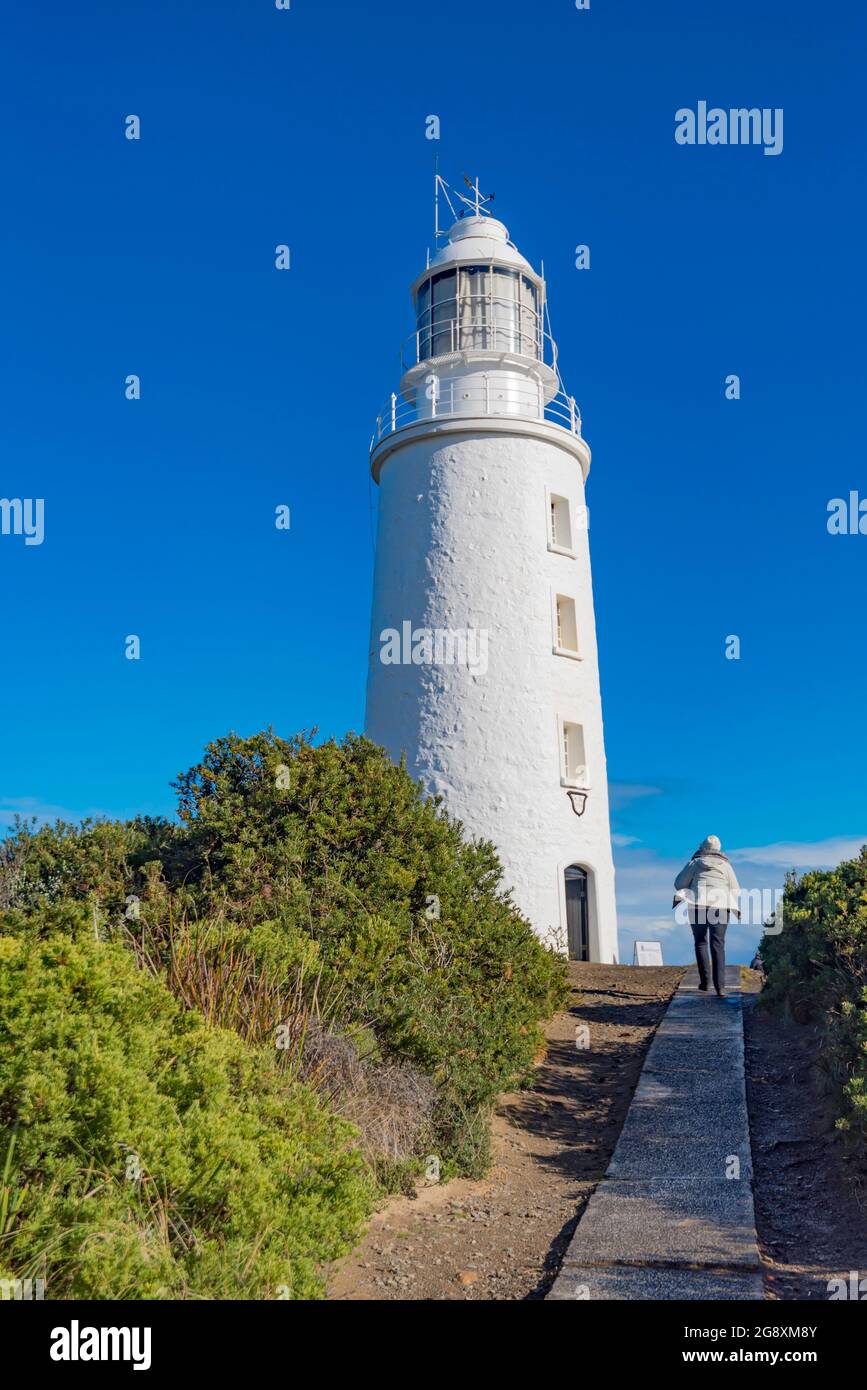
708, 880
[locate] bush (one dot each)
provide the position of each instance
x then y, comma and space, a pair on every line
325, 863
149, 1155
414, 935
817, 969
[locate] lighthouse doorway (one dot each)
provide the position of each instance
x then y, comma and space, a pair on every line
577, 916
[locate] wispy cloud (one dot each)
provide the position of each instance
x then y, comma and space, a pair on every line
802, 855
29, 806
620, 794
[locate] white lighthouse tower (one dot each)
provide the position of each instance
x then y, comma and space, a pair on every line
483, 665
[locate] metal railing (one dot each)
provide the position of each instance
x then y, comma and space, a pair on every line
451, 399
477, 321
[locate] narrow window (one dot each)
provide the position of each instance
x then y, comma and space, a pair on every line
574, 760
567, 626
560, 524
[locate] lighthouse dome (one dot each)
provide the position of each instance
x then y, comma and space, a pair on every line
479, 239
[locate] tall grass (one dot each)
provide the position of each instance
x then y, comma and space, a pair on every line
207, 966
11, 1195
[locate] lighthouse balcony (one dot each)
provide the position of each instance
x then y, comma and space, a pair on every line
479, 394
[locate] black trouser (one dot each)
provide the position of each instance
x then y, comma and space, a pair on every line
715, 920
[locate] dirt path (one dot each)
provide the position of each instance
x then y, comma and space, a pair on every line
502, 1238
811, 1228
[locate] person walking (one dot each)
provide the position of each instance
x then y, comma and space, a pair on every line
709, 887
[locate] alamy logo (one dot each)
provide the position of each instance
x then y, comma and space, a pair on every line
21, 1290
739, 126
76, 1343
22, 516
434, 646
847, 517
856, 1288
756, 907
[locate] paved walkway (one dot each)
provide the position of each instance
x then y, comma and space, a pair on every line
673, 1217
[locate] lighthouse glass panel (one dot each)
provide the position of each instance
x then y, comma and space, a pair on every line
474, 306
443, 313
422, 320
506, 311
531, 337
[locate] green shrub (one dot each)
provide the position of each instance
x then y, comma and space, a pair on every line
817, 968
157, 1157
100, 861
336, 845
326, 861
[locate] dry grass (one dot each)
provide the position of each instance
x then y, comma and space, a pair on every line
390, 1103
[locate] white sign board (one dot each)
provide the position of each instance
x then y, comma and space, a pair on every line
647, 953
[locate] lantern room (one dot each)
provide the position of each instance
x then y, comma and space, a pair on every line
492, 303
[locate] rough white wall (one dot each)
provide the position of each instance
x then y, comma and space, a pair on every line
462, 543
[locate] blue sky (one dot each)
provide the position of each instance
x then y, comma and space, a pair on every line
259, 387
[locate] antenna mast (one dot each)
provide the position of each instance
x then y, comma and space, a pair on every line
475, 204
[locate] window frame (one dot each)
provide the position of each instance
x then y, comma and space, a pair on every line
578, 783
554, 546
572, 653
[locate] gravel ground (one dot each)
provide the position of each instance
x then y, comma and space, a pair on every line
812, 1227
503, 1238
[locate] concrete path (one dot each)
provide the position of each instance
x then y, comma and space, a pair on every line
673, 1217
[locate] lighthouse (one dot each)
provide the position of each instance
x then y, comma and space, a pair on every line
483, 666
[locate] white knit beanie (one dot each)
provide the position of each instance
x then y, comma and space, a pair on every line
711, 842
